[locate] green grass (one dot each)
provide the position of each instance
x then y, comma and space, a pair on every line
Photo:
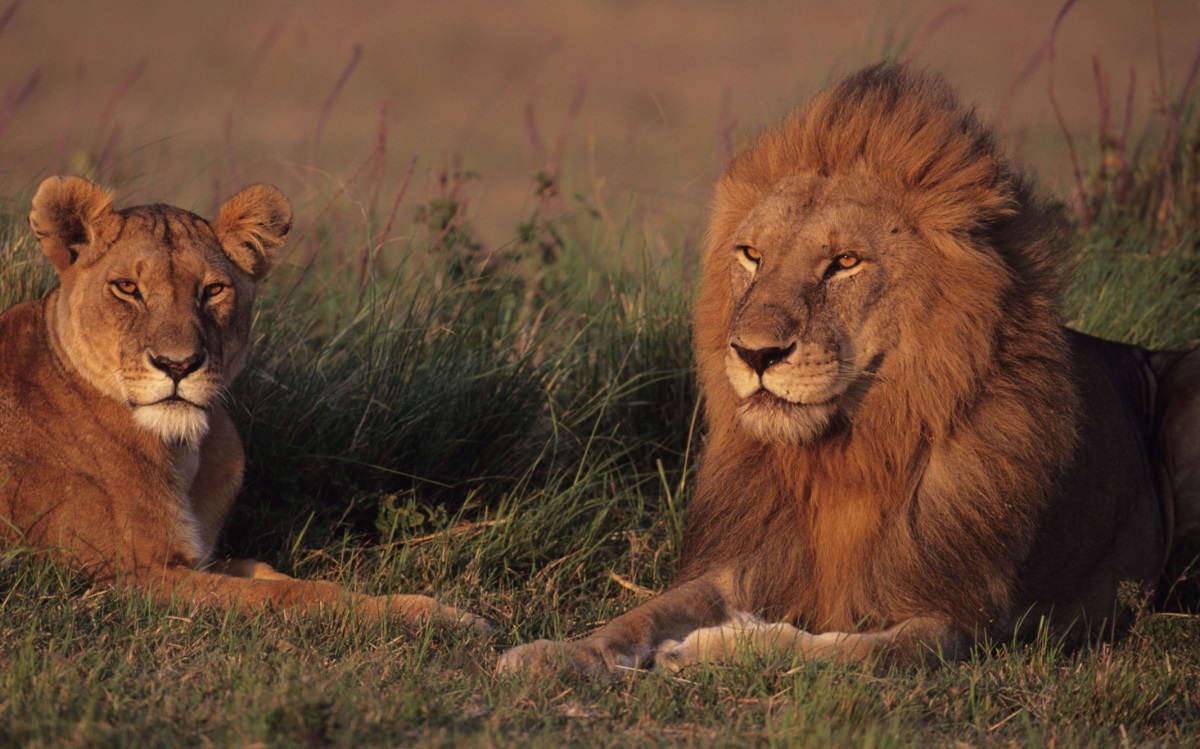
516, 435
101, 668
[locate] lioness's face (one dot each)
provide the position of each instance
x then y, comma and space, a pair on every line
161, 320
155, 305
812, 271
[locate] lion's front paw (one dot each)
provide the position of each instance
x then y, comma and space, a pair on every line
589, 657
708, 645
745, 636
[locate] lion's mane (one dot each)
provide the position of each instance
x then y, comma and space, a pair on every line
954, 450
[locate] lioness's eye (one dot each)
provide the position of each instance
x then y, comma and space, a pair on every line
214, 289
126, 287
750, 253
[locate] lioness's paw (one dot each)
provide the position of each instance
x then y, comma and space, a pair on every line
462, 618
587, 657
418, 608
534, 658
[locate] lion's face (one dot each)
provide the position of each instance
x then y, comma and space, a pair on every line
814, 313
156, 303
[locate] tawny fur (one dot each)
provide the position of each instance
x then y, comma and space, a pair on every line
116, 453
906, 450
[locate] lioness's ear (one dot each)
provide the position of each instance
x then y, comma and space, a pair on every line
69, 214
252, 227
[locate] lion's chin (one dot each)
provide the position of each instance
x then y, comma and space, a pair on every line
174, 421
776, 421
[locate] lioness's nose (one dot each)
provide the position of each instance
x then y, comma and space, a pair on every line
177, 369
760, 359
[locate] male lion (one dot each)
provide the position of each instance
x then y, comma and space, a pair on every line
115, 450
906, 450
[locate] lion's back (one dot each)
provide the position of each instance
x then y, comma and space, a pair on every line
1109, 507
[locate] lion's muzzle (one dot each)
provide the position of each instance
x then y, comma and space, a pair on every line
789, 393
800, 374
759, 359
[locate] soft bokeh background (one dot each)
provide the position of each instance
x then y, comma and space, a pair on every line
186, 101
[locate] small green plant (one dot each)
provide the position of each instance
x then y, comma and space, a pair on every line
445, 220
400, 516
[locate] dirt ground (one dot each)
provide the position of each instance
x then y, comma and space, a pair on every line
225, 91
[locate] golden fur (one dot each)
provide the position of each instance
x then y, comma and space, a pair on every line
906, 450
115, 450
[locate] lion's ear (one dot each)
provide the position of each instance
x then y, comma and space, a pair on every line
69, 214
252, 226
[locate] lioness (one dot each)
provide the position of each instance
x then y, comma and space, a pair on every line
115, 450
906, 450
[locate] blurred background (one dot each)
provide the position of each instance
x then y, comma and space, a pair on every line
612, 102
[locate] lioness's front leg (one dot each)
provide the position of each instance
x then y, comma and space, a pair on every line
419, 608
251, 585
631, 639
213, 492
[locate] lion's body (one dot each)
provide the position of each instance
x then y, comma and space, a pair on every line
853, 558
906, 449
116, 453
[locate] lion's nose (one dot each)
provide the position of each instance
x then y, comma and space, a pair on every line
761, 359
177, 369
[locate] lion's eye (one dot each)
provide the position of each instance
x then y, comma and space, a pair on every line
128, 288
750, 253
845, 261
214, 290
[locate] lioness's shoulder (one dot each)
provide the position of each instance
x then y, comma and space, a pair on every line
21, 341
